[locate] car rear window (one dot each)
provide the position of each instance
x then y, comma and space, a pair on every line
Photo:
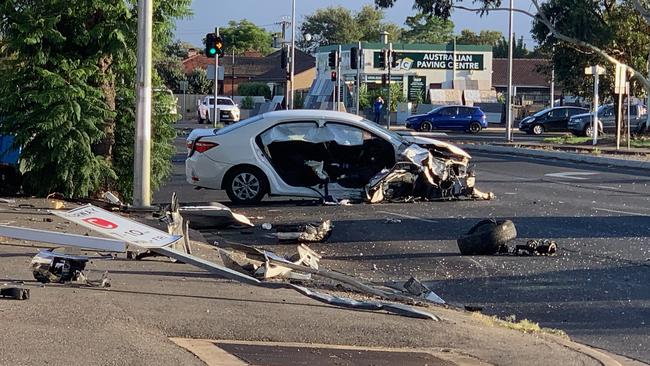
234, 126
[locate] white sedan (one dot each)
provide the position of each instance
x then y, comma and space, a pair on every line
327, 155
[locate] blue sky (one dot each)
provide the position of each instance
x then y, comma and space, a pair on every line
211, 13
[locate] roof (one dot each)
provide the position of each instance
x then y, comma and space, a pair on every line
524, 72
303, 63
245, 66
408, 47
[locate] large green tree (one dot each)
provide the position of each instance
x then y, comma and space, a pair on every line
245, 36
427, 28
66, 91
484, 37
337, 25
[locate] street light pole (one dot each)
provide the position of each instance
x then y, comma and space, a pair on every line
142, 153
509, 102
293, 49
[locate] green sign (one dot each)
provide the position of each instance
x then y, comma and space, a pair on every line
417, 87
434, 61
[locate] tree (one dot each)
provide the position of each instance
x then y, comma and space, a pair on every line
66, 89
338, 25
255, 89
500, 49
245, 36
485, 37
198, 82
576, 34
423, 28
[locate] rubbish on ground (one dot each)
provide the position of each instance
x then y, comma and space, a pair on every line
214, 215
487, 237
52, 267
71, 240
417, 288
110, 197
473, 308
310, 232
393, 221
267, 226
7, 200
16, 293
257, 262
537, 247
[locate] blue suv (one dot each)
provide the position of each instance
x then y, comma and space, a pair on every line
453, 117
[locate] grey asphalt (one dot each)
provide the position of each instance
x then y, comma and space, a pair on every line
597, 289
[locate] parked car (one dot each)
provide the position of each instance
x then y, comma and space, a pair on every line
581, 124
453, 117
228, 109
324, 154
553, 119
10, 176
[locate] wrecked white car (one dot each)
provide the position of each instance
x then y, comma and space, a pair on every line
327, 155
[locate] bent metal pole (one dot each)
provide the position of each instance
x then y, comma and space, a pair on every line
142, 153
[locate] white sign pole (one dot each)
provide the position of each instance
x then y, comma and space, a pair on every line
629, 121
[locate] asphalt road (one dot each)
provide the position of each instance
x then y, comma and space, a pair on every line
597, 289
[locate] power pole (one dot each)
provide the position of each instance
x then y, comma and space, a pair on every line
216, 85
293, 49
509, 102
389, 61
232, 77
142, 154
359, 65
338, 79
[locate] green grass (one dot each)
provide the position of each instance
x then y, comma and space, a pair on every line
642, 142
524, 326
568, 140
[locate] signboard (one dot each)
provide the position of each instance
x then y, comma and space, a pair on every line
183, 85
211, 72
434, 61
619, 80
417, 87
118, 227
393, 78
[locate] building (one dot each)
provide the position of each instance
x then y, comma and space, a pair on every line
424, 72
530, 81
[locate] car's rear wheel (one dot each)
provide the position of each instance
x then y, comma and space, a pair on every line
538, 129
474, 127
426, 126
246, 185
588, 131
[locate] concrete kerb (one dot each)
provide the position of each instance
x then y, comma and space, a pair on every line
558, 155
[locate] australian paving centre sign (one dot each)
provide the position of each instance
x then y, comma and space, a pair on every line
435, 61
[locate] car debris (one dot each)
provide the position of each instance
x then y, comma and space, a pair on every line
393, 221
536, 247
213, 216
15, 293
487, 237
256, 262
417, 288
304, 233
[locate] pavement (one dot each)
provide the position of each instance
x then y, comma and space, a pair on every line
157, 312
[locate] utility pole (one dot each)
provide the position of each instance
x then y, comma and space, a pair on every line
596, 71
293, 49
216, 84
509, 102
338, 79
553, 81
142, 154
232, 77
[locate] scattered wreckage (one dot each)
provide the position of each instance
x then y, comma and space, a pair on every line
50, 266
492, 236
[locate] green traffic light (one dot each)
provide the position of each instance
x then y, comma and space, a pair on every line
213, 51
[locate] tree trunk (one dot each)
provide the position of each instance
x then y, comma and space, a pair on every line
105, 147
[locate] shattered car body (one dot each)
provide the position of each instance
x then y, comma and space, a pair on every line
327, 155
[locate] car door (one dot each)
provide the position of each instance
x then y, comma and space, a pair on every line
608, 119
446, 118
557, 120
463, 118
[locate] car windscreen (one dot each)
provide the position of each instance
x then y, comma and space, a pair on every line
222, 101
234, 126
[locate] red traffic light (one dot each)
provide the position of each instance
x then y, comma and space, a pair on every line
333, 75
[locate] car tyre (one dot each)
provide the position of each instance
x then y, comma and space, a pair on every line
246, 185
426, 126
486, 237
538, 130
474, 128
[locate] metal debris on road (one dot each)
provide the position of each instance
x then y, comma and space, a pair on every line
536, 247
304, 233
53, 267
393, 221
417, 288
16, 293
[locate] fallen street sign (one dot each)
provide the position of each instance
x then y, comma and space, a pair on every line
118, 227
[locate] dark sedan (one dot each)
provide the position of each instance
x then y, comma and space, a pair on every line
553, 119
452, 117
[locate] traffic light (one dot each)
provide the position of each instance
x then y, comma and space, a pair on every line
283, 58
333, 75
382, 59
384, 79
333, 59
213, 45
393, 60
354, 58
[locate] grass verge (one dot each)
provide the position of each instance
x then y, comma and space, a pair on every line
524, 326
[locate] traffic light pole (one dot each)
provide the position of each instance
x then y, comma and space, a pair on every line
293, 48
217, 116
142, 154
359, 65
389, 60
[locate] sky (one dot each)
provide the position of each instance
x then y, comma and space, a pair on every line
211, 13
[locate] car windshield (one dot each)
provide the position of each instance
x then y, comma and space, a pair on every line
222, 101
543, 111
392, 134
436, 109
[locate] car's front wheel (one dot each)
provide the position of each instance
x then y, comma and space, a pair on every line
426, 126
538, 129
474, 128
588, 131
246, 185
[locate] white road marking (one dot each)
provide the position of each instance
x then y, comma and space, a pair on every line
408, 216
608, 187
571, 175
621, 212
